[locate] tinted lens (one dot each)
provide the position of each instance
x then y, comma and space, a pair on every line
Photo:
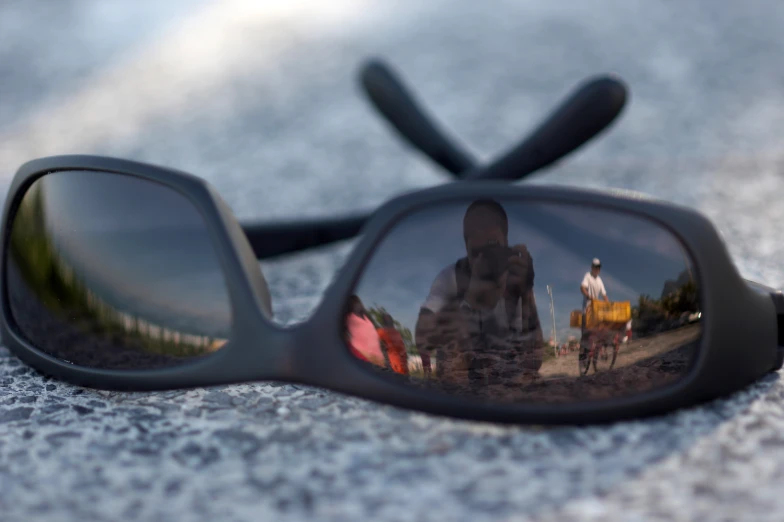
112, 271
425, 311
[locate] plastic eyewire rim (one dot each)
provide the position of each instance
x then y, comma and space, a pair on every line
314, 352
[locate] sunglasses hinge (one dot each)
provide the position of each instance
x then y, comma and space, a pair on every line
778, 302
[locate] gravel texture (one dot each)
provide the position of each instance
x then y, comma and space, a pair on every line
260, 99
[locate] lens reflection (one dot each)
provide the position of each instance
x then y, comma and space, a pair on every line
115, 272
519, 302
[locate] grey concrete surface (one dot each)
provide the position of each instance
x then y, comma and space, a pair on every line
260, 99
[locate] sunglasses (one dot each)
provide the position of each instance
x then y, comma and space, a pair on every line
123, 275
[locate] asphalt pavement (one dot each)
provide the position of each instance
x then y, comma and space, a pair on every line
261, 99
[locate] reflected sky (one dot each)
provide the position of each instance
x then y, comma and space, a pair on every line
140, 246
637, 257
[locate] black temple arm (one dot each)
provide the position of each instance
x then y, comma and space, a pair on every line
583, 115
398, 105
591, 107
589, 110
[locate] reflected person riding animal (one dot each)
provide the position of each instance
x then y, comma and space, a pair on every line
480, 318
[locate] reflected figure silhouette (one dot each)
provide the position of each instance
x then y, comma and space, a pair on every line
480, 318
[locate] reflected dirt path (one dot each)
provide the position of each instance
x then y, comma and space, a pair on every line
630, 353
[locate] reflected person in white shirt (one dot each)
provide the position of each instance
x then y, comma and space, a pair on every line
592, 286
592, 289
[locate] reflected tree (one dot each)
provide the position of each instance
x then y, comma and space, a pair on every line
57, 287
679, 299
377, 312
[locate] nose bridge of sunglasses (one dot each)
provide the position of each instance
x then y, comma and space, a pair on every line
263, 350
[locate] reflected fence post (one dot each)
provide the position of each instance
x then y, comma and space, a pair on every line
552, 316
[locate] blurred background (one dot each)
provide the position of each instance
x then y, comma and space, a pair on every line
261, 99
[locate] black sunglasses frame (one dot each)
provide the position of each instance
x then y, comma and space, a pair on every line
739, 342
